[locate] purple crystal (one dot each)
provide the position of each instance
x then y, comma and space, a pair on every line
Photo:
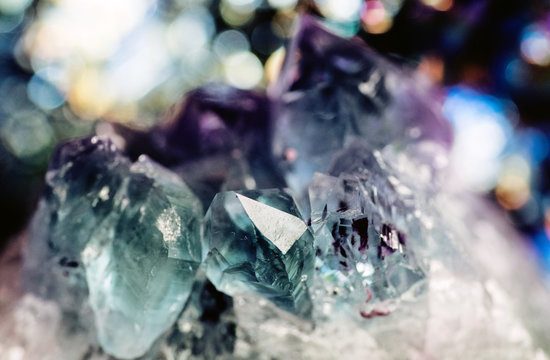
219, 140
215, 119
332, 91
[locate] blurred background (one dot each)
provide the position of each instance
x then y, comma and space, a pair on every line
67, 65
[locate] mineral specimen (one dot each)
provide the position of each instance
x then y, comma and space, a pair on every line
391, 258
126, 235
257, 240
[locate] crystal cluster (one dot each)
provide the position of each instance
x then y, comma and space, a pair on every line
379, 254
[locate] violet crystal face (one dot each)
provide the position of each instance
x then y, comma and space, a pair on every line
386, 257
217, 141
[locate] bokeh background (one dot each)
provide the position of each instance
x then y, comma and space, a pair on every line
67, 66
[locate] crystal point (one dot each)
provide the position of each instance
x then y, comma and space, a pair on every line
333, 91
256, 240
366, 234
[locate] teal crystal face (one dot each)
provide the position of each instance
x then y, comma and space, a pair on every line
130, 231
257, 240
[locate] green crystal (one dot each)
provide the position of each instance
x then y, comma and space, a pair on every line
256, 240
134, 231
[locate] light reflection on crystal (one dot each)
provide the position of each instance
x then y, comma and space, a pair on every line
256, 240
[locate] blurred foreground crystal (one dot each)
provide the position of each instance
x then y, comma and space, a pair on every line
125, 235
392, 258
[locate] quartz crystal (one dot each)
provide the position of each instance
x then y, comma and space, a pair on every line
333, 91
125, 234
257, 240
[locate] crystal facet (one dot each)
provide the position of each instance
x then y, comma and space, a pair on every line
257, 240
130, 234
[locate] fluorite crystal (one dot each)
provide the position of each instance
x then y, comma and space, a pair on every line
333, 91
126, 233
257, 240
218, 119
362, 254
390, 258
215, 142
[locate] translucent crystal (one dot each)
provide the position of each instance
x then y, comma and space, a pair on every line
332, 91
366, 236
434, 262
125, 234
256, 240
